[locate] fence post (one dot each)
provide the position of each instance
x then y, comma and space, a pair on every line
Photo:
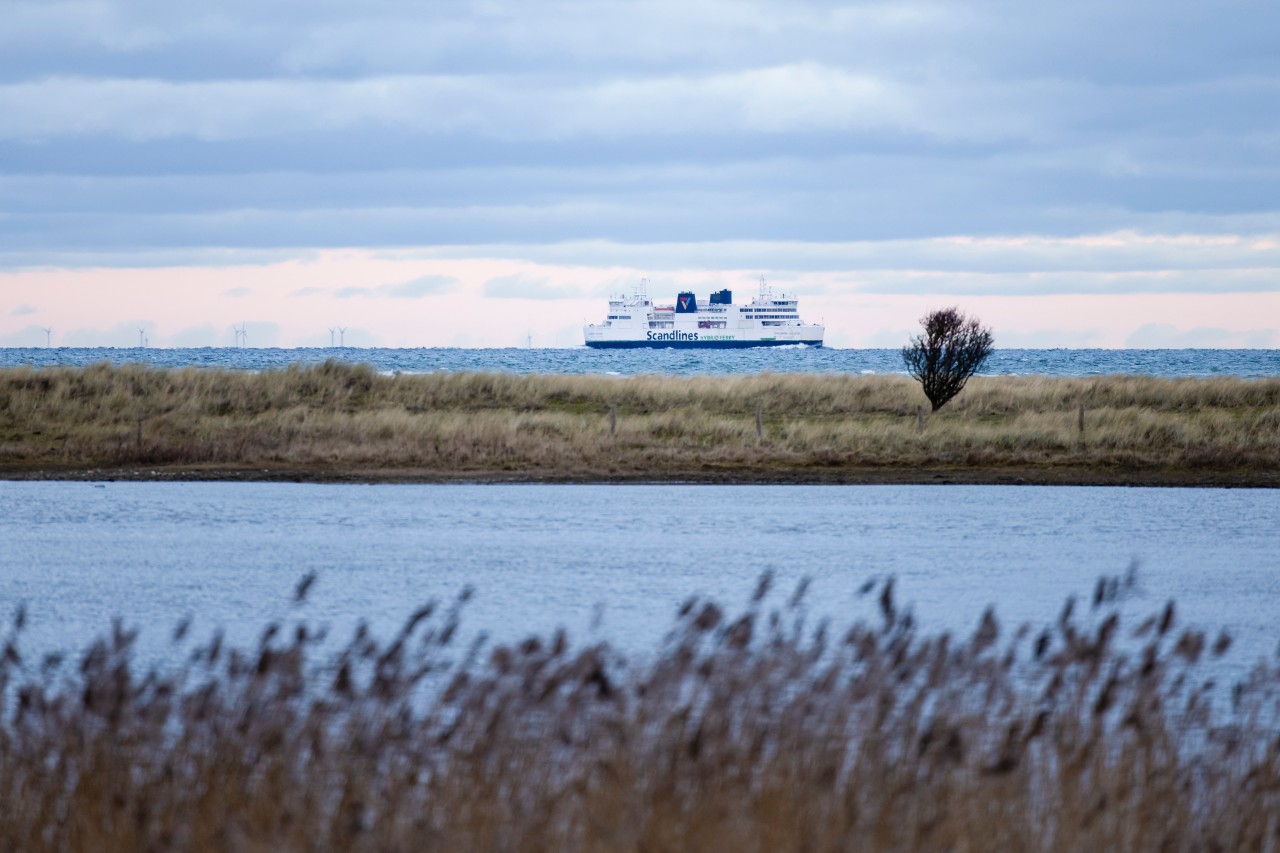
919, 420
1081, 420
759, 422
613, 419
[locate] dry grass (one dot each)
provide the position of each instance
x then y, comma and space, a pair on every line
747, 732
335, 417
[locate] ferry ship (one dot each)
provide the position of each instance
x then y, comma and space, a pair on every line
769, 320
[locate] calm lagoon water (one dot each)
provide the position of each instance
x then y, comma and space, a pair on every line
542, 556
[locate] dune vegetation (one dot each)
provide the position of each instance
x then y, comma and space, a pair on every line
338, 420
747, 731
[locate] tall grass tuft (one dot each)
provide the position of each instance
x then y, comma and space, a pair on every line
748, 730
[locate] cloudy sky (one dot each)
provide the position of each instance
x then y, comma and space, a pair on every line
1079, 173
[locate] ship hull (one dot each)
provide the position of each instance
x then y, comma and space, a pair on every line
697, 344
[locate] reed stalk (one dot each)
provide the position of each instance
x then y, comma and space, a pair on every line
750, 730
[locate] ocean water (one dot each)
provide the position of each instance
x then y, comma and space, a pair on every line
615, 561
1054, 362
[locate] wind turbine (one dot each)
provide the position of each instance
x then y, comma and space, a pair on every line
142, 337
331, 331
48, 336
342, 336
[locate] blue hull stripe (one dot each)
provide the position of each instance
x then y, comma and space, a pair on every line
696, 344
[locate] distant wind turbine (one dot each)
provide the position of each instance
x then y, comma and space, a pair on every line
48, 336
331, 331
142, 337
342, 336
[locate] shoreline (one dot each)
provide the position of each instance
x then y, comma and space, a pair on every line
864, 476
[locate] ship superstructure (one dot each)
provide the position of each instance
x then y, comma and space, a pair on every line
769, 319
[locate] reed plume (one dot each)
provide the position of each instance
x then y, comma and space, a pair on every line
749, 729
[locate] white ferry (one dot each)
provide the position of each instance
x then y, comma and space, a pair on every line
769, 320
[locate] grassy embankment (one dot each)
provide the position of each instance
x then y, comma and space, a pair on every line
746, 733
337, 421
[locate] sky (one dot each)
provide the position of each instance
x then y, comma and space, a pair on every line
1076, 174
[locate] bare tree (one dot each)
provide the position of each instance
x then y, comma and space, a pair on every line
952, 348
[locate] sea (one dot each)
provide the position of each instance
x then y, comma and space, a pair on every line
682, 362
610, 562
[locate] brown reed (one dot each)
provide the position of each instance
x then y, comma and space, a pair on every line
335, 418
749, 731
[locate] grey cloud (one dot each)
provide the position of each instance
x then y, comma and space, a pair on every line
41, 254
22, 310
1108, 264
726, 134
790, 98
29, 336
822, 199
1107, 41
521, 286
340, 38
196, 336
354, 336
427, 285
258, 333
237, 292
121, 335
1046, 338
1023, 283
1163, 335
890, 338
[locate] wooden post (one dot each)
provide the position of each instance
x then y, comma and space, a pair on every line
139, 436
613, 419
1081, 421
759, 422
920, 420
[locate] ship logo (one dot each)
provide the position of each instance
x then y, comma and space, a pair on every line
684, 302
